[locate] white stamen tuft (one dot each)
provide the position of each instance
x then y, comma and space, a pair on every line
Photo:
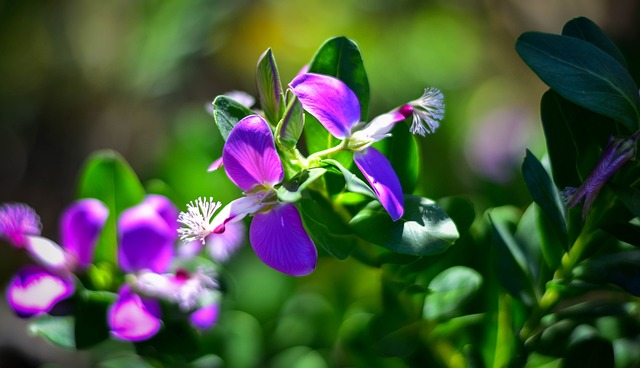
197, 219
428, 110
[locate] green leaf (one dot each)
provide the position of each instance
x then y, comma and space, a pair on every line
352, 182
108, 177
403, 154
584, 74
340, 57
424, 229
461, 211
511, 263
125, 361
291, 191
592, 351
291, 126
58, 330
584, 29
227, 112
545, 194
449, 291
269, 87
90, 313
325, 226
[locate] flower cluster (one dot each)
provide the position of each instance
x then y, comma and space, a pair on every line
146, 259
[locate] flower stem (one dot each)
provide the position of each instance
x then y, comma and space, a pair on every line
328, 151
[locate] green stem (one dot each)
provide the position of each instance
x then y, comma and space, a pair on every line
328, 151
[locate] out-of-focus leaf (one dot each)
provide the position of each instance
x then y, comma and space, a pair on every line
626, 232
527, 236
108, 177
588, 352
584, 74
424, 229
176, 341
545, 194
291, 191
243, 343
90, 312
584, 29
511, 266
58, 330
622, 269
352, 182
298, 356
269, 87
291, 126
340, 57
124, 361
449, 291
326, 228
631, 199
207, 361
461, 211
227, 112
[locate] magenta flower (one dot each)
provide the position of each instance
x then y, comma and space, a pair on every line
16, 221
132, 317
337, 108
37, 289
276, 232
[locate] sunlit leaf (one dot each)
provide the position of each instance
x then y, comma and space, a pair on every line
424, 229
584, 74
449, 291
227, 112
291, 190
108, 177
269, 87
352, 182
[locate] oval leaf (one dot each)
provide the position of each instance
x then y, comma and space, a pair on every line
108, 177
291, 126
58, 330
227, 112
449, 290
584, 74
424, 229
584, 29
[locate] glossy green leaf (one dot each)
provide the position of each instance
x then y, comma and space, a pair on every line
584, 29
511, 264
461, 211
58, 330
227, 112
352, 182
584, 74
340, 57
269, 87
291, 126
291, 190
545, 194
424, 229
108, 177
449, 291
325, 226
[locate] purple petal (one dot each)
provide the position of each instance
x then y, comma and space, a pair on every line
165, 208
221, 246
381, 126
329, 100
379, 173
133, 318
215, 165
281, 242
250, 156
236, 210
80, 228
145, 240
46, 252
35, 290
17, 220
205, 317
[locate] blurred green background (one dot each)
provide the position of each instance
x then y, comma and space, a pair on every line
134, 76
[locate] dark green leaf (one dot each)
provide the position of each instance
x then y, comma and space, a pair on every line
325, 226
227, 112
584, 74
125, 361
291, 191
291, 126
424, 229
545, 194
340, 57
352, 182
269, 87
449, 291
626, 232
622, 269
511, 266
108, 177
90, 312
58, 330
631, 199
461, 211
593, 351
584, 29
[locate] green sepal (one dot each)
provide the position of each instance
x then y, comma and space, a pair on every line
269, 87
290, 128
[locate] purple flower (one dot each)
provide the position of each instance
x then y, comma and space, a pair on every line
337, 108
16, 221
132, 317
36, 289
276, 232
617, 153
